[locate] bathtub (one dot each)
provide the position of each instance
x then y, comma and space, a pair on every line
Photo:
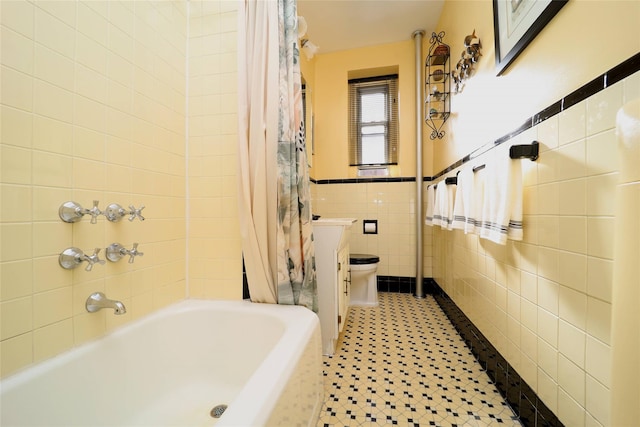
174, 366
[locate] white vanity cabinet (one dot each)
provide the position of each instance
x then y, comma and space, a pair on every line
344, 286
331, 239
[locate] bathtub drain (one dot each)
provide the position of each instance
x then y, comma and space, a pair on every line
217, 411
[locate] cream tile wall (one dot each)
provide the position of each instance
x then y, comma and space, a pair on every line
92, 108
215, 252
393, 205
545, 302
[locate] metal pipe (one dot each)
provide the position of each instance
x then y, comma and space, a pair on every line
417, 37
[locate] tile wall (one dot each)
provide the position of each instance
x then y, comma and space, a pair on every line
92, 108
545, 302
393, 205
215, 252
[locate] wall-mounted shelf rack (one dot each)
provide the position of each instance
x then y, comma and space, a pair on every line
437, 85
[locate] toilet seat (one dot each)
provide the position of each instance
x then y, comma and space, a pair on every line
357, 259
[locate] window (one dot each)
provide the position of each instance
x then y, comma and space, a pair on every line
373, 121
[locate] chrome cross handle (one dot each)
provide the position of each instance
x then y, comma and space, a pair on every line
94, 212
116, 251
133, 252
115, 212
136, 213
72, 257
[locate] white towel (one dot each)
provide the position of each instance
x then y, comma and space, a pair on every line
440, 201
431, 199
502, 201
451, 197
474, 224
463, 216
443, 207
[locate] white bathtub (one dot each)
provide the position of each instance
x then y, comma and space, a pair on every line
173, 366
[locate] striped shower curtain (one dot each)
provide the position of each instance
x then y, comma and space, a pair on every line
274, 199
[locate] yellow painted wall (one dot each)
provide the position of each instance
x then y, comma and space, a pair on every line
331, 106
391, 204
585, 39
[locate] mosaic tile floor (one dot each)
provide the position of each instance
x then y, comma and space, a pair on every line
403, 363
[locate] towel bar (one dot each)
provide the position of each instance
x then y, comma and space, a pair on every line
479, 168
525, 151
451, 180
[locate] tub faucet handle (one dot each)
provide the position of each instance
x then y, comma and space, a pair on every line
92, 259
115, 212
72, 257
136, 213
116, 251
133, 252
73, 212
94, 212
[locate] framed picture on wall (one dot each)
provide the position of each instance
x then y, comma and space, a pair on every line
516, 23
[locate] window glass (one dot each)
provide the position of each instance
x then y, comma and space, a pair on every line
373, 121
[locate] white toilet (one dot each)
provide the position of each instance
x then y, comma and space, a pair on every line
364, 282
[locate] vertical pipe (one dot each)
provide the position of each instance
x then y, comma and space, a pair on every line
186, 159
417, 37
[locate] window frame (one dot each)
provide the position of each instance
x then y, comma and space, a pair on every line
388, 85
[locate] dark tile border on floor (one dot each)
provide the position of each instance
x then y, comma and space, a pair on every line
520, 396
403, 285
396, 284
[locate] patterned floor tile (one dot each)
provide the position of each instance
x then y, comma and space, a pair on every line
402, 363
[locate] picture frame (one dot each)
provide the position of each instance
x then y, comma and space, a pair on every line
516, 23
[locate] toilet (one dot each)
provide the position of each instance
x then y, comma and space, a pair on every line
364, 283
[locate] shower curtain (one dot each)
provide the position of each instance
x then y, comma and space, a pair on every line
274, 196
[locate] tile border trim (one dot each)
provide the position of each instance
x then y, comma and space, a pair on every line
363, 180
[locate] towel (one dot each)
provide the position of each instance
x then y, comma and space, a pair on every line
428, 220
451, 197
440, 201
443, 206
463, 207
474, 224
502, 201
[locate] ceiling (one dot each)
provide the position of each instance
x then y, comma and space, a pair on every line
335, 25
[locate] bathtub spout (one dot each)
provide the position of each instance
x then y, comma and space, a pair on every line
98, 301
